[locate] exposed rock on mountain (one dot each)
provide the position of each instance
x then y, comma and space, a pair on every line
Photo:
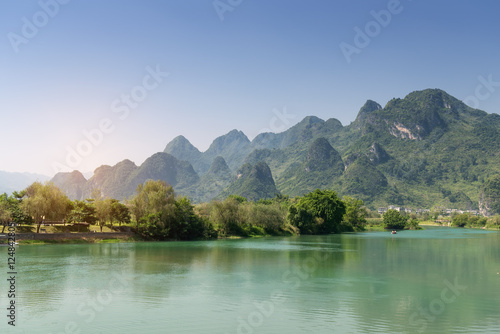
489, 198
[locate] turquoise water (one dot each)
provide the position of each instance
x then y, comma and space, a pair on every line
440, 280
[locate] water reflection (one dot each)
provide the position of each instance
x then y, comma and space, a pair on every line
359, 282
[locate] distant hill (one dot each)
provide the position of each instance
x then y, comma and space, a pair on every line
11, 181
253, 182
427, 149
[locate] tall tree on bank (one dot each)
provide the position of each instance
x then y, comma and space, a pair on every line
319, 212
45, 202
5, 214
355, 214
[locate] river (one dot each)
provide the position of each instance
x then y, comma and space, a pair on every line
438, 280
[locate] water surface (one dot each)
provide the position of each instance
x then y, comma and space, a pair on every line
440, 280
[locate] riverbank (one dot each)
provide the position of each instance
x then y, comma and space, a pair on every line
72, 238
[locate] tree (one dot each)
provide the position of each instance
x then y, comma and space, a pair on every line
45, 202
83, 211
153, 197
355, 213
119, 212
5, 213
319, 212
393, 219
228, 217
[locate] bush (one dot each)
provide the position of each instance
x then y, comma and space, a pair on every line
394, 220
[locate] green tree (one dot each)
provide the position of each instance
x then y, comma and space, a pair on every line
319, 212
228, 217
119, 212
393, 219
268, 217
153, 197
5, 213
45, 202
460, 220
412, 224
355, 213
83, 211
187, 225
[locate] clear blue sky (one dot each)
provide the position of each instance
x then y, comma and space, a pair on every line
69, 68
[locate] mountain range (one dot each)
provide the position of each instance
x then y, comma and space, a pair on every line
427, 149
12, 181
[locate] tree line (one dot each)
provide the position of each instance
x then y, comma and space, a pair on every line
156, 213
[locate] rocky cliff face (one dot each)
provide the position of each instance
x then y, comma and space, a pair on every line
489, 197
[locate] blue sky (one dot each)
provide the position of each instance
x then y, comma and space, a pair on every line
92, 82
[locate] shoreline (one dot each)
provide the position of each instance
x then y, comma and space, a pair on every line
78, 237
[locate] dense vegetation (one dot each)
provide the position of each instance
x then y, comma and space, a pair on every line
156, 213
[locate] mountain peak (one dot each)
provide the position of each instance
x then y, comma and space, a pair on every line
321, 156
369, 107
219, 166
180, 144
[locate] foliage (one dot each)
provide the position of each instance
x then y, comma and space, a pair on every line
355, 213
160, 216
393, 219
319, 212
228, 217
460, 220
82, 211
412, 224
468, 220
45, 202
153, 197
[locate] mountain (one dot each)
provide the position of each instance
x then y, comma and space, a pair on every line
211, 184
182, 149
319, 168
253, 182
424, 150
233, 146
121, 180
12, 181
73, 184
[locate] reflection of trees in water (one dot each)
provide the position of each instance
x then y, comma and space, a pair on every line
45, 273
401, 278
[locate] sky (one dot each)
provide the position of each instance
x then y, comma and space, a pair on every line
92, 82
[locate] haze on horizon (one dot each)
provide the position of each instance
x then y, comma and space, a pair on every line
120, 79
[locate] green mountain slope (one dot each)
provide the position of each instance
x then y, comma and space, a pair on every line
253, 182
427, 149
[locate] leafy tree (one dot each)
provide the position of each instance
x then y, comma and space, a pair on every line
412, 224
393, 219
45, 202
319, 212
238, 198
119, 212
355, 213
460, 220
187, 225
5, 213
269, 217
228, 217
153, 197
83, 211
